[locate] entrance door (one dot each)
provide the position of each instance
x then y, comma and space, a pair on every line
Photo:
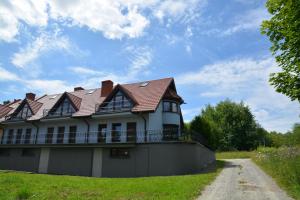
131, 132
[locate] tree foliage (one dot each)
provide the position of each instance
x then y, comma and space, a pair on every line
283, 30
228, 126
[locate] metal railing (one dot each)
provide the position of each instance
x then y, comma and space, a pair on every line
107, 137
113, 107
47, 113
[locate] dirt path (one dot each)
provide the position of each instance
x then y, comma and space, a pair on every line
241, 179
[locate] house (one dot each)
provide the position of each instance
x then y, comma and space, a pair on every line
123, 130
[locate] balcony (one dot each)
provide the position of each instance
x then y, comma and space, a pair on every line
102, 138
47, 113
113, 107
16, 118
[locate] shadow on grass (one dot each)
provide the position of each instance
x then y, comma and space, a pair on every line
213, 167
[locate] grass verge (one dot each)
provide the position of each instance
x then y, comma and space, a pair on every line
233, 154
19, 185
283, 164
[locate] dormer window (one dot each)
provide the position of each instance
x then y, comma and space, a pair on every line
25, 112
64, 108
119, 102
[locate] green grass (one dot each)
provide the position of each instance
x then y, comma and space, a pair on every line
20, 185
233, 154
283, 164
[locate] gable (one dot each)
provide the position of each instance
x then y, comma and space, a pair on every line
117, 100
63, 107
23, 111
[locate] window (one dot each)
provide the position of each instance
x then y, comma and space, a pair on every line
24, 112
10, 136
49, 135
131, 131
102, 128
170, 131
72, 134
27, 136
65, 108
4, 152
169, 106
118, 103
60, 135
119, 153
116, 132
28, 152
19, 136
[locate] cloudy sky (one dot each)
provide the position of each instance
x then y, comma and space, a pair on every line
213, 49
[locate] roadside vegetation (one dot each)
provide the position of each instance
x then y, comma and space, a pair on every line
21, 185
234, 154
283, 164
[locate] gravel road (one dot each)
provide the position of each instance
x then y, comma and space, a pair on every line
241, 179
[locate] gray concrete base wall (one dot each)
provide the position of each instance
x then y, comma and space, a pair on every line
15, 160
143, 160
72, 161
158, 160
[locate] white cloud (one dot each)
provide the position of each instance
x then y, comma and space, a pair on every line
85, 71
7, 75
140, 59
246, 79
115, 19
42, 44
47, 86
13, 12
251, 20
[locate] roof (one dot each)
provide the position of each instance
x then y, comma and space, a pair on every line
146, 98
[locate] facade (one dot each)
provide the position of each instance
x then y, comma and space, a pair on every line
124, 130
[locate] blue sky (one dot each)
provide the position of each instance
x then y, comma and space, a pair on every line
213, 49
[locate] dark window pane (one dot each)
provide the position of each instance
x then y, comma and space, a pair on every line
19, 136
166, 106
10, 136
131, 132
72, 134
174, 107
119, 153
27, 136
102, 128
116, 132
170, 132
49, 135
60, 135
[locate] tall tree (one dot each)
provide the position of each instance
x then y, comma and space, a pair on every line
283, 30
228, 126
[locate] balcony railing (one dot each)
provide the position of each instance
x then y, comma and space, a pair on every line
47, 113
113, 107
108, 137
16, 118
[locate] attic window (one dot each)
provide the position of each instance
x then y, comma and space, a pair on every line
53, 97
144, 84
90, 92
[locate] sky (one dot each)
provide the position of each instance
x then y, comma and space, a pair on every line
212, 48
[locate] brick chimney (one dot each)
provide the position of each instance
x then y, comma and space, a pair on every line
106, 87
30, 96
78, 88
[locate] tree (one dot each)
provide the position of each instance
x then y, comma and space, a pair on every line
228, 126
283, 30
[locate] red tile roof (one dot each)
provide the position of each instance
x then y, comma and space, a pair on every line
146, 98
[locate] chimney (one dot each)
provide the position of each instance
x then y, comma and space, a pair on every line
30, 96
78, 88
106, 88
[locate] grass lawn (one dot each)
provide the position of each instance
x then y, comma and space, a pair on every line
283, 165
233, 154
20, 185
